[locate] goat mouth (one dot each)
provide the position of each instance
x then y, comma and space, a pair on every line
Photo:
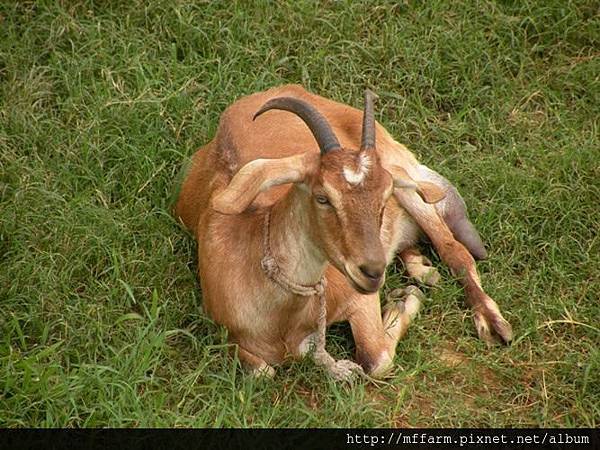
357, 286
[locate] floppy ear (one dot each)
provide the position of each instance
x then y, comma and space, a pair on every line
258, 176
429, 192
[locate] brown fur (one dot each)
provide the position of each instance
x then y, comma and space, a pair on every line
307, 238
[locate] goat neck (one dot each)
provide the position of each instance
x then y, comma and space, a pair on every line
291, 242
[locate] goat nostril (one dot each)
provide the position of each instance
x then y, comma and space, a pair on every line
371, 271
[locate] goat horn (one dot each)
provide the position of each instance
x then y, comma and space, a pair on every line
368, 125
317, 123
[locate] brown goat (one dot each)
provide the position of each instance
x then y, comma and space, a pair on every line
262, 186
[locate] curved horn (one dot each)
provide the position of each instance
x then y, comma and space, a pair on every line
317, 123
368, 126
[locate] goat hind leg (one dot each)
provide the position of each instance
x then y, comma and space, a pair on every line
489, 322
419, 267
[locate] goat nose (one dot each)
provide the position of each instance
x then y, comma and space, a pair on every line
372, 270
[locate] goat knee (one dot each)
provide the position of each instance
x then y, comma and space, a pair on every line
377, 366
257, 366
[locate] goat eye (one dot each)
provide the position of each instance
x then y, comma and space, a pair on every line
321, 199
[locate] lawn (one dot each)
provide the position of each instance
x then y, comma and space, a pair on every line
101, 319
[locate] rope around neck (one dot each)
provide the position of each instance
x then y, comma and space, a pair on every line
340, 370
274, 272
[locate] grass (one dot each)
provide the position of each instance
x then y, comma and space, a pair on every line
100, 103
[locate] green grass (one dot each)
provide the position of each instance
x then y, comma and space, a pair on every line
100, 103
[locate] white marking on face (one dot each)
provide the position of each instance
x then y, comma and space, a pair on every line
356, 176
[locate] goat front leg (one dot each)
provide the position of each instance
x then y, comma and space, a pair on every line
419, 267
258, 367
375, 337
490, 324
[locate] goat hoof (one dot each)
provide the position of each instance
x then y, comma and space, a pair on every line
345, 370
263, 371
423, 272
431, 278
493, 330
397, 316
406, 300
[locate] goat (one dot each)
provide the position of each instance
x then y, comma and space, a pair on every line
319, 209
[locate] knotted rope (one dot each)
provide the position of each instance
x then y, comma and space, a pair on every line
340, 370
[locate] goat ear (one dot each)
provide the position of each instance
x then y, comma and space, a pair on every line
258, 176
429, 192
